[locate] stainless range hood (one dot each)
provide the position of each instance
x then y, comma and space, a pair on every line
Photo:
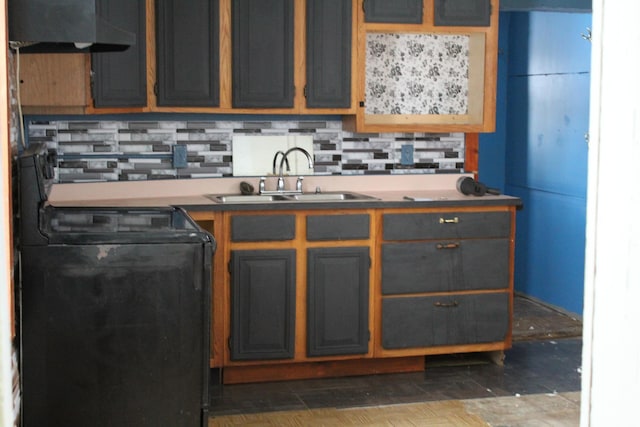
63, 26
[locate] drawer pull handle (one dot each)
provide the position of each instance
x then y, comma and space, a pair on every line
453, 220
447, 245
445, 304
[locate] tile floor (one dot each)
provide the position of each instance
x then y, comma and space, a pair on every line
534, 367
539, 384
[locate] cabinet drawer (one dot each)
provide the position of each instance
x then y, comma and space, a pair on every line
445, 225
444, 320
254, 228
445, 266
337, 227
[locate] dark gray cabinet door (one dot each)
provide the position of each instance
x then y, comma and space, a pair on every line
462, 12
262, 57
328, 54
337, 301
262, 304
444, 320
187, 53
120, 78
393, 11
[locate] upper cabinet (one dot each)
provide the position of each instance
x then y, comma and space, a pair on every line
119, 79
262, 64
385, 66
393, 11
187, 53
328, 53
428, 77
462, 12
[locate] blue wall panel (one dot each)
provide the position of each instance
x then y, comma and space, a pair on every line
548, 118
548, 42
550, 238
492, 146
546, 113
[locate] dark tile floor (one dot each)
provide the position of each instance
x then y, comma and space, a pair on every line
530, 367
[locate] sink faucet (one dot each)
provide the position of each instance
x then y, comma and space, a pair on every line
275, 159
280, 185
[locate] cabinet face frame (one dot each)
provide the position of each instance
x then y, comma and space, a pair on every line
221, 326
219, 223
483, 62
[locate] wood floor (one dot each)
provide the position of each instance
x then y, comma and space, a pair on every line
559, 409
539, 385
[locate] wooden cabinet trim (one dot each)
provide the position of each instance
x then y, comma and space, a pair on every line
482, 107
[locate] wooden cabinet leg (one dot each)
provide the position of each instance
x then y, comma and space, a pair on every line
496, 357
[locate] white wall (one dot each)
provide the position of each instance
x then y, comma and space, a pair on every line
611, 352
6, 389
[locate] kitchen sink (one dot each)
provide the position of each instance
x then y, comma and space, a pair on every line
329, 197
290, 197
249, 198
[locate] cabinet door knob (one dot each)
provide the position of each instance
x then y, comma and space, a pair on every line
453, 220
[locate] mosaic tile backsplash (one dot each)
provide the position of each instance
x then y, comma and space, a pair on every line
414, 73
114, 150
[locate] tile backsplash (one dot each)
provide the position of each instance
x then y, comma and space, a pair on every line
95, 149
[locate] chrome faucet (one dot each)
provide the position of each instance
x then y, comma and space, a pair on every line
275, 159
280, 185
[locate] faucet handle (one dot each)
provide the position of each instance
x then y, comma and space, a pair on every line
299, 184
261, 185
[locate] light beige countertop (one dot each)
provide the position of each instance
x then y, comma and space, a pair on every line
392, 189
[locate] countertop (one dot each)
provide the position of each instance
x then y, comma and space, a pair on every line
389, 191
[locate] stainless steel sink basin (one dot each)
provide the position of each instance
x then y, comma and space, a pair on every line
289, 197
329, 197
240, 198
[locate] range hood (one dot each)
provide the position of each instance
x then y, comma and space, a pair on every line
63, 26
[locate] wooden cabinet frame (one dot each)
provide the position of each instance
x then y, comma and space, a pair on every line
377, 359
483, 62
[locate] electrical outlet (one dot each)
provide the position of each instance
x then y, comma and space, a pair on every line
406, 155
179, 156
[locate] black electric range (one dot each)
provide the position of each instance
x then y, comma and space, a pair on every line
114, 311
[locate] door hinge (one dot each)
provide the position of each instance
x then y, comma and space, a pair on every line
229, 267
229, 343
155, 89
370, 262
304, 91
369, 336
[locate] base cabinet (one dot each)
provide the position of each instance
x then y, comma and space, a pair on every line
262, 304
337, 301
445, 280
308, 293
